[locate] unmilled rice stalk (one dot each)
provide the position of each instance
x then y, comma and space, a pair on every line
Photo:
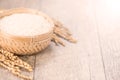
61, 32
13, 63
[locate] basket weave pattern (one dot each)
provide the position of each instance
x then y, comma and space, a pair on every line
26, 47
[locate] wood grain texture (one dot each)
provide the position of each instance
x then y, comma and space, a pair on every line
108, 20
81, 61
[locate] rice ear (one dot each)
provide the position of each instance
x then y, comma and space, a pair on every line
61, 32
2, 10
13, 63
57, 40
60, 26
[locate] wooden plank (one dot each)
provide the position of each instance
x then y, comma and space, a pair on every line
81, 61
18, 3
108, 19
6, 4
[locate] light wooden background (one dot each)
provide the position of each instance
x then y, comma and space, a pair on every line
96, 26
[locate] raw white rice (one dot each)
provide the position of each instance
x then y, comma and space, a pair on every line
25, 24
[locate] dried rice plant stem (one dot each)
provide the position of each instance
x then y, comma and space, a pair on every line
1, 10
16, 60
57, 40
64, 35
61, 26
15, 72
13, 64
20, 75
62, 32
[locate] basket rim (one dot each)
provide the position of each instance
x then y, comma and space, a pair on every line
25, 10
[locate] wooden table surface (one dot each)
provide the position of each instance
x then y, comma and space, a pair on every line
96, 26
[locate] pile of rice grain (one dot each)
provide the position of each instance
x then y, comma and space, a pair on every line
25, 24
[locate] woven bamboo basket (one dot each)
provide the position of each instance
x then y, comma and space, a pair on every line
25, 45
